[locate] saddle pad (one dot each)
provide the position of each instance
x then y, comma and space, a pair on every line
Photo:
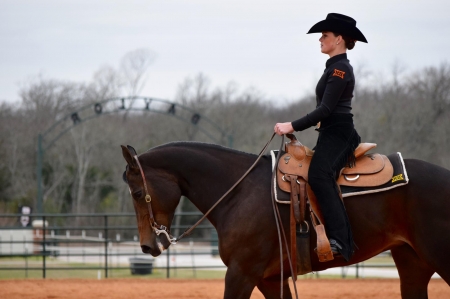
399, 178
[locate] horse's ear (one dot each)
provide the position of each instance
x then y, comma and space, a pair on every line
128, 153
132, 150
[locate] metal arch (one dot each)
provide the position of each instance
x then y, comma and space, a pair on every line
146, 100
94, 110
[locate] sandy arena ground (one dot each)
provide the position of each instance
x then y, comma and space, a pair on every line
178, 289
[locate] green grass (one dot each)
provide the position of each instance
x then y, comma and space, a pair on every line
77, 270
119, 273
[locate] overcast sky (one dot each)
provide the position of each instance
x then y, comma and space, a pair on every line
255, 43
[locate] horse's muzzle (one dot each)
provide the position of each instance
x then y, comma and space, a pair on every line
156, 246
146, 249
156, 251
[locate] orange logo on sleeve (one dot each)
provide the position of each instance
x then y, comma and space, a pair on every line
339, 73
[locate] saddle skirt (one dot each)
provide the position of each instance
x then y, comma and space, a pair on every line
370, 169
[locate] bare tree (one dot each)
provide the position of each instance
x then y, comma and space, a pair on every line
134, 66
407, 112
106, 83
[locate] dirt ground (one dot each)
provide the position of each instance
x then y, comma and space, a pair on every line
177, 289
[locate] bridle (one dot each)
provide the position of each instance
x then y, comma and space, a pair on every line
158, 228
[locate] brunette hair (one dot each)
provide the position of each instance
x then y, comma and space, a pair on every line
349, 43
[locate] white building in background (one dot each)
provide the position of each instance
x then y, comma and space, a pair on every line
16, 241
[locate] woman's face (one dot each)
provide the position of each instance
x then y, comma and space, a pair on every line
329, 43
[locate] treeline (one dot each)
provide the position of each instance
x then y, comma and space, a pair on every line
82, 171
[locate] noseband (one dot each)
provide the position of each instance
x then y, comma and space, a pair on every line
157, 228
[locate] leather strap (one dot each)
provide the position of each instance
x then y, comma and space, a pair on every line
158, 228
148, 198
293, 230
302, 200
294, 196
280, 228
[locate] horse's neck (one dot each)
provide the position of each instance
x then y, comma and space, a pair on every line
206, 173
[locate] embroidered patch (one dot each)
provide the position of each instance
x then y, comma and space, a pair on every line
339, 73
397, 178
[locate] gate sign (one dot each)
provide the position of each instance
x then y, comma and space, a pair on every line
25, 218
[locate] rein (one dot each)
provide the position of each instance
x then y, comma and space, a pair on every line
158, 228
280, 228
189, 230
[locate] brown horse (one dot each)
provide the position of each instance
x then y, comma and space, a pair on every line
413, 221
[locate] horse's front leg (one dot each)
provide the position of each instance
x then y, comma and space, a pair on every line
270, 287
238, 284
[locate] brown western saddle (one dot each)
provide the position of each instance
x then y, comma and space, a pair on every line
292, 177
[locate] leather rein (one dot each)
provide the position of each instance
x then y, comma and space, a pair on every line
158, 228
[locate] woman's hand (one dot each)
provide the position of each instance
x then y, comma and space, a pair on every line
283, 128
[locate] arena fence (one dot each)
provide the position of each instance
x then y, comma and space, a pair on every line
107, 242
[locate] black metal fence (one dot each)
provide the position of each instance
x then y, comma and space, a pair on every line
107, 242
94, 240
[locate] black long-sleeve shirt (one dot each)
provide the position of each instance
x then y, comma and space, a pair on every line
334, 92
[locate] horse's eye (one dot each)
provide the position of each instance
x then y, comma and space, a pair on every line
137, 194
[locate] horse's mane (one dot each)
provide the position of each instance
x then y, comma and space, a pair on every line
198, 145
203, 146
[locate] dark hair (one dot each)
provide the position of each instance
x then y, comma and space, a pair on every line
349, 43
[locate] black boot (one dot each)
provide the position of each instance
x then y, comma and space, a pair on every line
335, 247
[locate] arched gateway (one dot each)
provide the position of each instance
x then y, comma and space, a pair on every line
123, 105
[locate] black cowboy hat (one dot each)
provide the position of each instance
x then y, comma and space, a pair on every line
341, 24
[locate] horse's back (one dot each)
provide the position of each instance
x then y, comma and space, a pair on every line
427, 197
431, 182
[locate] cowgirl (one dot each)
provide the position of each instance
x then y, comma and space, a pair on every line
337, 137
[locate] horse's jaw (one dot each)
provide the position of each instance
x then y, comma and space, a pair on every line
160, 246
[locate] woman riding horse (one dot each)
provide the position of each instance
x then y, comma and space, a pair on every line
337, 137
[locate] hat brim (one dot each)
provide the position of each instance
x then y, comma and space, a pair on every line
338, 27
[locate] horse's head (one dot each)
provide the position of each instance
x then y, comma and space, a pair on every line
162, 187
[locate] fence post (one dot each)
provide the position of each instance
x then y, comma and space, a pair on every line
39, 205
106, 246
168, 263
25, 247
43, 250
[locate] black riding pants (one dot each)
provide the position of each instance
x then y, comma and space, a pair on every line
335, 149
